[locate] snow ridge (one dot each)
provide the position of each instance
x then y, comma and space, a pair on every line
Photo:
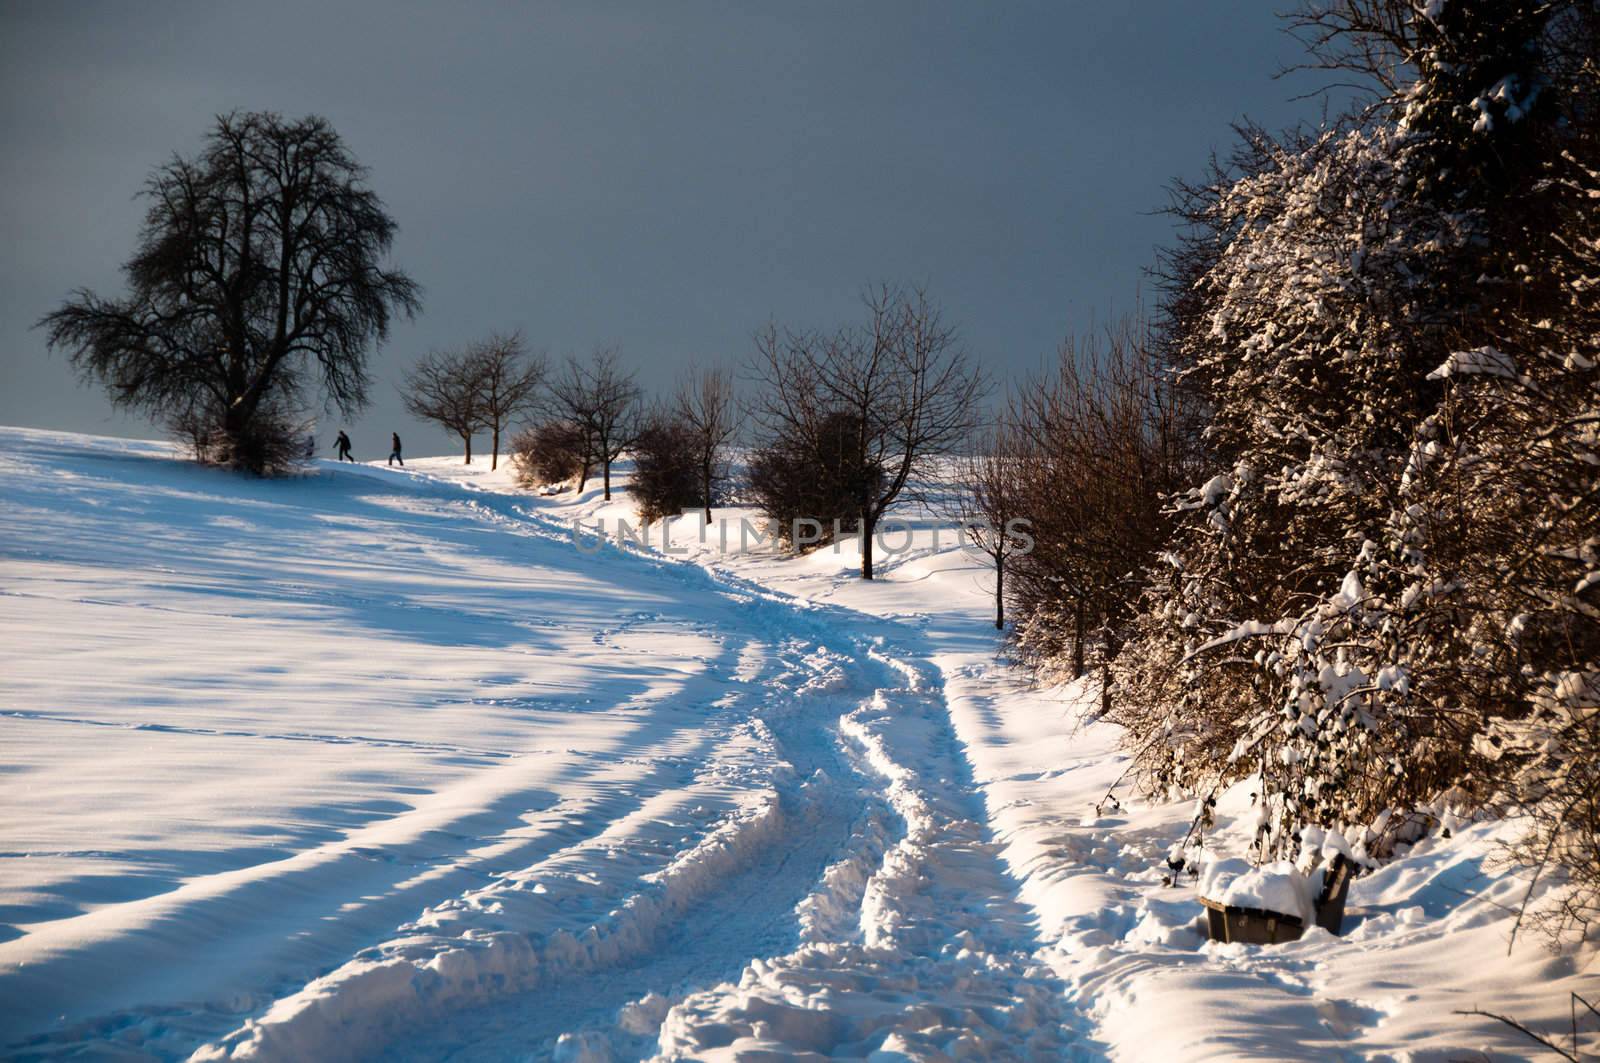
929, 973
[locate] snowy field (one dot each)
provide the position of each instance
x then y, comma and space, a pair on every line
375, 763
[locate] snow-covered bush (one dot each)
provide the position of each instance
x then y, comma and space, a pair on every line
1385, 588
1273, 618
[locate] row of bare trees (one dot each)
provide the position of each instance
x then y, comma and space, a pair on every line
1087, 452
583, 414
847, 422
481, 388
593, 411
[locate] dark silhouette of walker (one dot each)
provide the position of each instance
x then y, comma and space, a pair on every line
342, 444
394, 455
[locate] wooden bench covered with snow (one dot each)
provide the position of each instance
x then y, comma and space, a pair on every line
1229, 919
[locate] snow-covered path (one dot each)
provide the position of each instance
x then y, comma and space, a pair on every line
380, 762
374, 763
940, 925
908, 929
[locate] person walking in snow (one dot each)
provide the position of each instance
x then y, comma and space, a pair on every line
394, 455
343, 445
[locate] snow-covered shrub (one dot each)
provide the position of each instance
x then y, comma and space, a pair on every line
1272, 618
1556, 753
1501, 520
1384, 589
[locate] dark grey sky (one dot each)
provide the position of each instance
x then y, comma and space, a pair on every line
661, 176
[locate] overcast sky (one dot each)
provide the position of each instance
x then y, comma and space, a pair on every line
660, 176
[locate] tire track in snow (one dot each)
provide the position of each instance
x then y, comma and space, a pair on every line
441, 982
386, 866
942, 959
826, 809
945, 965
289, 736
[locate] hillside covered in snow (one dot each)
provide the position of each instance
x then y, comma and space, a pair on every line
376, 762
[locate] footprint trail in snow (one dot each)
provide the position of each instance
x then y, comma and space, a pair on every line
401, 773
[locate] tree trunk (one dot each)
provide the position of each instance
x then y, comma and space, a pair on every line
1110, 646
583, 476
606, 467
236, 418
705, 485
235, 423
494, 461
999, 593
867, 527
468, 441
1077, 639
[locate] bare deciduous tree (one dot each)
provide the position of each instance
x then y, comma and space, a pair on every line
510, 381
602, 398
447, 389
258, 267
1102, 443
901, 379
706, 405
991, 503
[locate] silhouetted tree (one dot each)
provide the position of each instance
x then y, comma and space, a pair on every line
706, 406
510, 379
447, 388
900, 381
257, 268
600, 397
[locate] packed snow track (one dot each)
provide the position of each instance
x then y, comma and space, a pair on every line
363, 764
